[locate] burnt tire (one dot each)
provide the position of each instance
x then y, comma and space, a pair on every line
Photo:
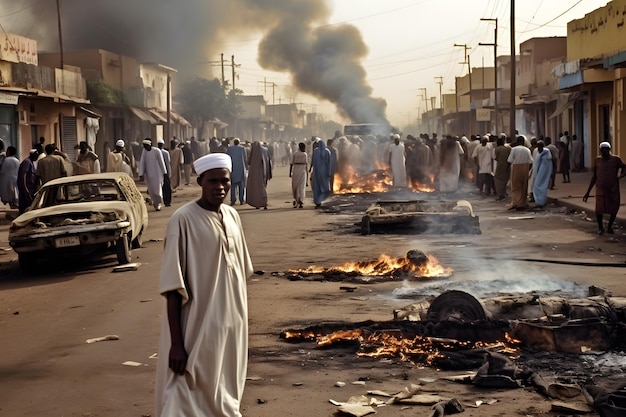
456, 306
122, 248
137, 242
366, 225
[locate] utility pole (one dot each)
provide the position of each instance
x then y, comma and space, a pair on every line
232, 63
440, 82
425, 98
513, 70
222, 61
60, 32
495, 70
469, 73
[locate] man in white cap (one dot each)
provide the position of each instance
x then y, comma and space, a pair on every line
118, 161
607, 170
203, 348
167, 188
152, 167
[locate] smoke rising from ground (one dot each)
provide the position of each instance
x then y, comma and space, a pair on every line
323, 60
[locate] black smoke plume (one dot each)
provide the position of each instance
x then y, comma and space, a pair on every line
323, 60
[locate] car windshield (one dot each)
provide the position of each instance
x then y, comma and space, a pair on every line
78, 192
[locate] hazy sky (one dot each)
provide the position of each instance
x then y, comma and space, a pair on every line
412, 41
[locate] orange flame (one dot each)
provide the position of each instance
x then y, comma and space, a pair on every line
351, 182
383, 266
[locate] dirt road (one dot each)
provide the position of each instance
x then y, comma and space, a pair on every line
47, 368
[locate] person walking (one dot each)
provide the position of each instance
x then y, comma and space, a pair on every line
298, 174
483, 158
9, 167
118, 161
152, 167
502, 172
167, 188
520, 159
397, 162
321, 170
187, 161
607, 170
256, 185
542, 172
27, 181
87, 162
239, 173
176, 161
203, 347
51, 166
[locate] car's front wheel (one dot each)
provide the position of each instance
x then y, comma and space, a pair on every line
122, 247
136, 244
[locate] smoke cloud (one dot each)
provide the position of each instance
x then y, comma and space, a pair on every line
323, 60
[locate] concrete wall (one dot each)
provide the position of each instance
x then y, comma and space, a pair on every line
600, 33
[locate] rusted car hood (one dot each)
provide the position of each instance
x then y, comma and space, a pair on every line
98, 206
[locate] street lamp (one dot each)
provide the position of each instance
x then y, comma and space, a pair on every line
495, 69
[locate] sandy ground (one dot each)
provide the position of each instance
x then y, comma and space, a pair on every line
47, 370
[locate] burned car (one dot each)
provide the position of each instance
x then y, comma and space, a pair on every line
79, 215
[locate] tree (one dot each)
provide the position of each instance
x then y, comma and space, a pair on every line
102, 93
204, 100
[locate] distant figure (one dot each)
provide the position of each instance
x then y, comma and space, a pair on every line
118, 161
9, 167
240, 172
27, 181
167, 188
554, 151
256, 191
520, 160
483, 158
397, 162
576, 156
51, 166
333, 163
187, 161
152, 167
449, 165
607, 170
502, 173
320, 177
298, 173
87, 162
176, 161
542, 169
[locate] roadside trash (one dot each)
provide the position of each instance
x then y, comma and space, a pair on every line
126, 267
132, 363
103, 338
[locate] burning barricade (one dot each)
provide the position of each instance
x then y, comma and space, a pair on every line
415, 265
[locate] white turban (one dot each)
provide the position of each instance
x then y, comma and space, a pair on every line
605, 145
120, 143
33, 151
147, 142
213, 161
160, 140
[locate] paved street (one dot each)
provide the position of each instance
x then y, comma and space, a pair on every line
47, 368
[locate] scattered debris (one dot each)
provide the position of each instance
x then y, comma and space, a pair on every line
340, 384
155, 355
259, 272
103, 338
444, 408
254, 378
356, 406
127, 267
348, 289
260, 401
562, 407
145, 300
132, 363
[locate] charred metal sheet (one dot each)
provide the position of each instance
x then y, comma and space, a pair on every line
443, 216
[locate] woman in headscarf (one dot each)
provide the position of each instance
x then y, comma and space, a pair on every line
256, 192
542, 172
320, 178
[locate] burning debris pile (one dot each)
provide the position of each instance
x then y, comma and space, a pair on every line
432, 344
415, 265
378, 181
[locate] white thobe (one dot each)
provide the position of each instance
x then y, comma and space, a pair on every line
152, 168
398, 164
207, 261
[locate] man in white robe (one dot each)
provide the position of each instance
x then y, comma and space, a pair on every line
203, 350
397, 162
152, 167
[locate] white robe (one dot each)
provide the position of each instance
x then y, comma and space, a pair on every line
152, 168
207, 261
398, 164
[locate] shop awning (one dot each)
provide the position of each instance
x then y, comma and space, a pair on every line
89, 111
564, 102
158, 116
143, 115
